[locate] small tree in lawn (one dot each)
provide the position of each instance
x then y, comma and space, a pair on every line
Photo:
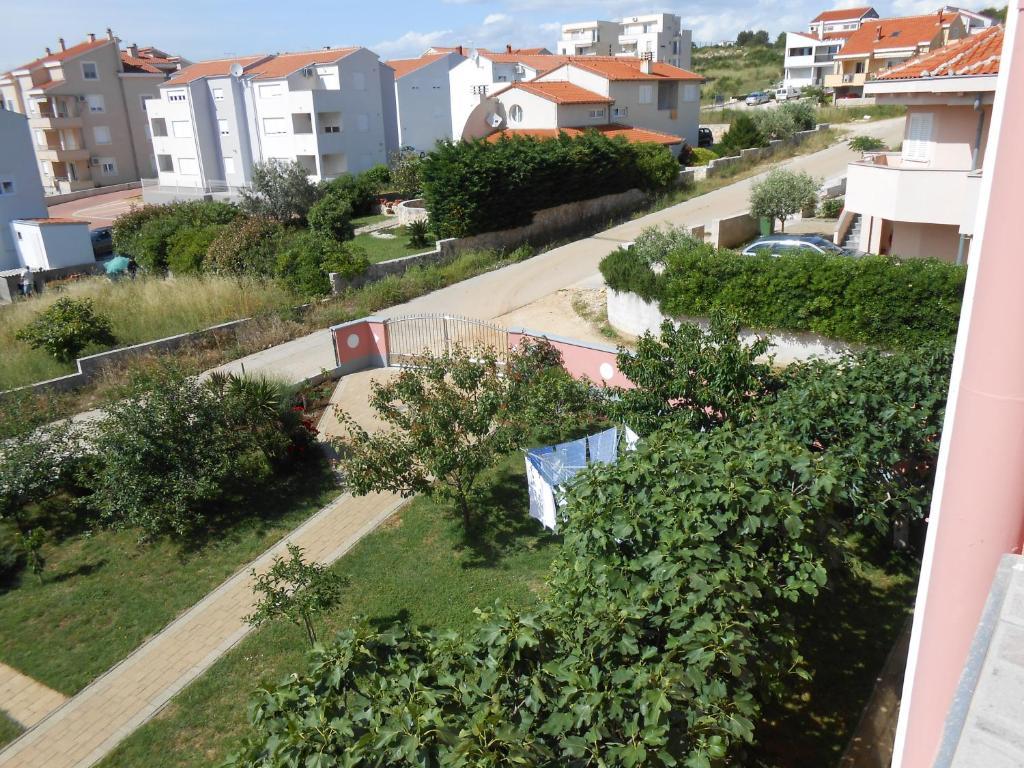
295, 590
280, 191
405, 174
67, 327
782, 193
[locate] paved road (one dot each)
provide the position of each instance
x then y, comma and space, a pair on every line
99, 210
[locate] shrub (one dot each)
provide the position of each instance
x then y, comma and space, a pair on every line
360, 190
815, 95
127, 226
145, 233
247, 246
801, 113
657, 166
405, 174
419, 232
866, 144
306, 259
67, 327
186, 252
702, 156
831, 207
782, 193
774, 124
377, 178
331, 216
280, 191
743, 134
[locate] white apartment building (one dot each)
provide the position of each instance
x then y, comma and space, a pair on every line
331, 110
659, 34
87, 110
810, 55
423, 99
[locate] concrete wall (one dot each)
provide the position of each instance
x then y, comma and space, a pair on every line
136, 88
731, 231
409, 211
18, 166
53, 246
84, 193
954, 132
424, 112
914, 240
755, 154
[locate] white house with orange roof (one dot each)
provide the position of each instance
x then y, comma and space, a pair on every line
639, 99
86, 106
921, 201
423, 99
809, 55
331, 110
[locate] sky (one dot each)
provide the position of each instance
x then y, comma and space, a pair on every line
202, 29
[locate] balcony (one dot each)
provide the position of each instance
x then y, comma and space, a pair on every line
886, 186
65, 185
54, 121
846, 79
62, 154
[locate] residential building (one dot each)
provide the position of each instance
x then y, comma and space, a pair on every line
423, 99
87, 109
640, 99
589, 38
810, 58
840, 21
880, 44
973, 21
332, 110
922, 200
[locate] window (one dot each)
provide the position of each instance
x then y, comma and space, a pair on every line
646, 94
515, 113
6, 185
359, 81
691, 93
96, 103
181, 129
594, 113
89, 71
274, 125
218, 94
40, 138
159, 126
176, 95
917, 144
188, 166
165, 163
799, 52
101, 134
328, 78
362, 123
108, 166
332, 129
270, 91
479, 90
620, 112
143, 99
229, 165
225, 129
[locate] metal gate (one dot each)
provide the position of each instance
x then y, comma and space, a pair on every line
413, 336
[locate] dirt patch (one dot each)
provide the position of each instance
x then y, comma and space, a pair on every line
578, 313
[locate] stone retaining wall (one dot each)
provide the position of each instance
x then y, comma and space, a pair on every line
409, 211
756, 154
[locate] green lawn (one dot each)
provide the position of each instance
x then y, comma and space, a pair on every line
736, 71
418, 567
362, 221
103, 594
383, 249
9, 730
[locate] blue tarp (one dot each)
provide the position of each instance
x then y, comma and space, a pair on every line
603, 446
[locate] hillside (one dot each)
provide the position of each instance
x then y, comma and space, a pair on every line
735, 70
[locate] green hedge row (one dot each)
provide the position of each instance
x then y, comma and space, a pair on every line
878, 300
473, 187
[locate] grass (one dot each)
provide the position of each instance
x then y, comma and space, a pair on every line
384, 249
103, 593
139, 310
373, 218
418, 567
736, 71
9, 730
829, 114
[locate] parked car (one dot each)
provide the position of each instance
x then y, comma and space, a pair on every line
757, 97
102, 241
786, 92
777, 245
704, 137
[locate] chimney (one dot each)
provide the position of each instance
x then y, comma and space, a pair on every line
645, 66
461, 53
508, 47
49, 52
61, 41
878, 33
92, 37
133, 49
110, 34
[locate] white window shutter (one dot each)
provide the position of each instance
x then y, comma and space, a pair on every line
917, 144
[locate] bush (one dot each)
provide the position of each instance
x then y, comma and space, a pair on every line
405, 174
782, 193
360, 190
815, 95
743, 134
306, 259
186, 251
477, 186
331, 216
866, 144
831, 207
67, 327
247, 246
774, 124
419, 233
703, 156
657, 166
126, 227
801, 113
280, 191
145, 233
377, 178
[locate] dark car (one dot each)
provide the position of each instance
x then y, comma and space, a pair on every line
777, 245
102, 241
705, 137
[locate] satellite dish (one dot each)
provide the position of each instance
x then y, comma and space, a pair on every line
495, 120
236, 70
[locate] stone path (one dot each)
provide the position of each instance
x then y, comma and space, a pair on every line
388, 223
24, 699
86, 727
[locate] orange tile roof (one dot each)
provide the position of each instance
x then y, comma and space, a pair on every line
136, 65
543, 62
74, 50
905, 32
284, 64
628, 68
211, 68
149, 60
840, 14
55, 221
613, 130
559, 92
404, 67
977, 54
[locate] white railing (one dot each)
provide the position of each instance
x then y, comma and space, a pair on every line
211, 187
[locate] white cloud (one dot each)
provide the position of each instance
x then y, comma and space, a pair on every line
496, 18
411, 43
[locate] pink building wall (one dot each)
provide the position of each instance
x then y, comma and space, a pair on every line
954, 131
977, 511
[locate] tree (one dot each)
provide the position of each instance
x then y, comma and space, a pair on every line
67, 327
280, 191
247, 246
147, 233
306, 259
743, 134
451, 417
782, 193
331, 216
996, 14
295, 590
405, 174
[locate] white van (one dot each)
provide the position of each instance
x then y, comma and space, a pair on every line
786, 92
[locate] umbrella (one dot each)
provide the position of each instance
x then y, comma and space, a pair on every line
117, 265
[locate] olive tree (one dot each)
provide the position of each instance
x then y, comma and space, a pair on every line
782, 193
279, 191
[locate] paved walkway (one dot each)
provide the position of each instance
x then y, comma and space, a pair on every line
24, 699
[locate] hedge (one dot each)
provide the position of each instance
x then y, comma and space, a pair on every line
879, 300
473, 187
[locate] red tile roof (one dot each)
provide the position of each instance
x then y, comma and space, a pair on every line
905, 32
285, 64
541, 62
631, 134
149, 61
75, 50
628, 68
212, 68
134, 65
404, 67
977, 54
559, 92
55, 221
840, 14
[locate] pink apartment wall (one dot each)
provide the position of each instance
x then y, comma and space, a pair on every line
977, 511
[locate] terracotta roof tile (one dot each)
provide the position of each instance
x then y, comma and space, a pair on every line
75, 50
628, 68
978, 54
559, 92
839, 14
284, 64
404, 67
135, 65
905, 32
631, 134
55, 221
212, 68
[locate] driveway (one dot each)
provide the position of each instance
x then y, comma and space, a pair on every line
99, 210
